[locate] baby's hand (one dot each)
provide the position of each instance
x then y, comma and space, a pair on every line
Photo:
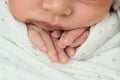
55, 51
62, 55
42, 40
69, 40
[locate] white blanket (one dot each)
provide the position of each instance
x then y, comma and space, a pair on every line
97, 59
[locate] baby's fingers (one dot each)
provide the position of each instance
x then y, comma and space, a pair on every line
68, 37
52, 54
63, 57
36, 39
41, 40
80, 40
56, 33
70, 51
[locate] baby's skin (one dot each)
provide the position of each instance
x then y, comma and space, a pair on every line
60, 46
47, 18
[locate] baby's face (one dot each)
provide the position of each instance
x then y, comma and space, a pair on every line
60, 14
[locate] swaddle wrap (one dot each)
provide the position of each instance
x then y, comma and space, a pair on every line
97, 59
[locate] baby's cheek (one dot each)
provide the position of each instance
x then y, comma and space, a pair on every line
18, 10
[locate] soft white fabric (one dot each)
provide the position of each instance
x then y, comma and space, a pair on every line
97, 59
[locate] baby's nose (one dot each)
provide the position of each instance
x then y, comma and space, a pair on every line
57, 7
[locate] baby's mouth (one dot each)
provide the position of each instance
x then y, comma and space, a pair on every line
48, 26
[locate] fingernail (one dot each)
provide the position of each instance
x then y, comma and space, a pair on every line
54, 59
71, 53
64, 60
44, 49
